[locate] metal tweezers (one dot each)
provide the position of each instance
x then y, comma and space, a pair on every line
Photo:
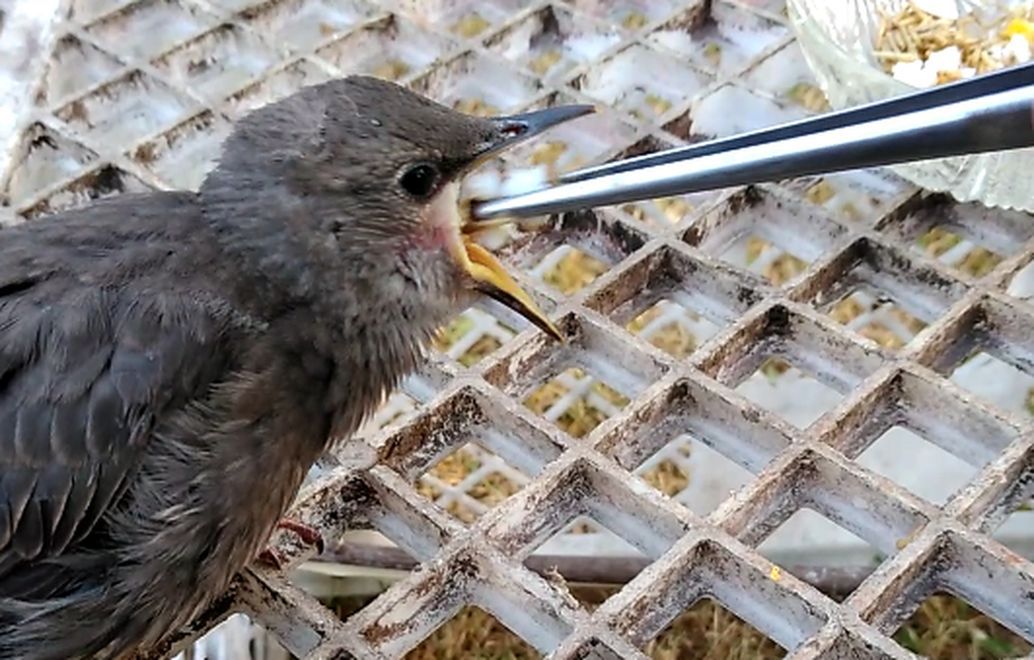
991, 112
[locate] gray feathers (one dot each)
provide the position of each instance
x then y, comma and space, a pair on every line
161, 354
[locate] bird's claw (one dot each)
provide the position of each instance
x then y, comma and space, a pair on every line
273, 558
308, 535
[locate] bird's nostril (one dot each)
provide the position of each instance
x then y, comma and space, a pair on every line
514, 129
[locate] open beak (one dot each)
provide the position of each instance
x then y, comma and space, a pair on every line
490, 275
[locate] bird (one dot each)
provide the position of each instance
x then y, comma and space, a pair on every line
172, 363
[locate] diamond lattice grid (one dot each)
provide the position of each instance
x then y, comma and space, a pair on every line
680, 311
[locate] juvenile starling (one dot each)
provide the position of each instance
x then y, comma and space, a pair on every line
172, 363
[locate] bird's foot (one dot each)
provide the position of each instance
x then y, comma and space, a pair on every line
308, 535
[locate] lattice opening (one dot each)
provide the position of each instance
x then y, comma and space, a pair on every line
674, 301
751, 592
881, 523
219, 62
875, 316
553, 41
570, 146
934, 474
469, 481
275, 87
857, 197
828, 365
583, 535
127, 109
694, 474
164, 22
988, 351
794, 394
881, 295
479, 85
393, 48
602, 240
1021, 285
997, 381
184, 156
1012, 532
725, 42
45, 156
619, 83
302, 24
587, 381
465, 19
806, 527
775, 264
970, 238
944, 627
568, 270
473, 633
576, 401
759, 231
475, 334
632, 15
785, 75
98, 183
666, 212
672, 328
729, 110
954, 250
716, 433
76, 66
946, 438
708, 630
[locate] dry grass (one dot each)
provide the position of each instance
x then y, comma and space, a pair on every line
978, 262
453, 469
850, 308
944, 628
575, 271
782, 269
674, 338
581, 417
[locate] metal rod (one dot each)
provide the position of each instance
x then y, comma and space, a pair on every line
963, 90
995, 122
833, 581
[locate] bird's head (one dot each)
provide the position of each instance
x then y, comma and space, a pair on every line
365, 175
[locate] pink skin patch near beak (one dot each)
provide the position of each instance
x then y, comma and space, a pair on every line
443, 228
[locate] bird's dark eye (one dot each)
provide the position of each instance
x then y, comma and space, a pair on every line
419, 180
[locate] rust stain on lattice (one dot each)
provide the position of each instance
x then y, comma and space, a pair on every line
670, 308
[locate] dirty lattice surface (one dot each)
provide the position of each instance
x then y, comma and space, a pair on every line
677, 312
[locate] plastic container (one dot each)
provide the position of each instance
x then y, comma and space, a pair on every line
837, 37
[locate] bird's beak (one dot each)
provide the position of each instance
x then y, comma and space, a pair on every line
490, 275
514, 129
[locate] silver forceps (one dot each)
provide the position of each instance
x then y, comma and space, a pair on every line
992, 112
